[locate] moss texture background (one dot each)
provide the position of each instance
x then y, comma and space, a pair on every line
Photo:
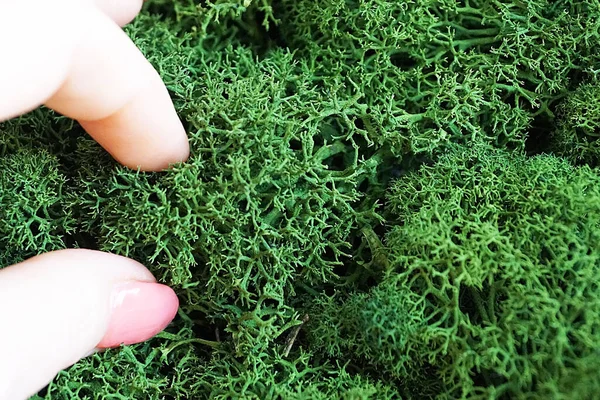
419, 178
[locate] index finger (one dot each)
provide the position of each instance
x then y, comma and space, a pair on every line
72, 57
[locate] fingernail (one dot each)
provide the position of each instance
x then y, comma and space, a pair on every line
140, 310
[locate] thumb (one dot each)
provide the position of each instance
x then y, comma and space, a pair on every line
62, 306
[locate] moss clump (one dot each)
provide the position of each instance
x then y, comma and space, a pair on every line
368, 163
492, 286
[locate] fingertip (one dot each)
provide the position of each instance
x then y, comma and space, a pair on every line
175, 150
145, 134
139, 311
119, 98
149, 155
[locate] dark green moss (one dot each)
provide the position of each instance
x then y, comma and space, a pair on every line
468, 276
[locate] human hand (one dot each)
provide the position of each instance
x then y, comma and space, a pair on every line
57, 308
71, 56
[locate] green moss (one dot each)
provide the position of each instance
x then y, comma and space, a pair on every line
34, 216
447, 71
492, 288
505, 250
578, 126
357, 161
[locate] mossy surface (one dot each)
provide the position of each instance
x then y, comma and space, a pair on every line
417, 177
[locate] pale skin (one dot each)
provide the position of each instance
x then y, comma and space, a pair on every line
73, 57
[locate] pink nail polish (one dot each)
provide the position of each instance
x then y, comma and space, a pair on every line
140, 310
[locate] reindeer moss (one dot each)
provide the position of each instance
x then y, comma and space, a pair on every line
418, 178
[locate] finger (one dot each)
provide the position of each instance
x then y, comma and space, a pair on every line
76, 60
120, 11
121, 101
62, 306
